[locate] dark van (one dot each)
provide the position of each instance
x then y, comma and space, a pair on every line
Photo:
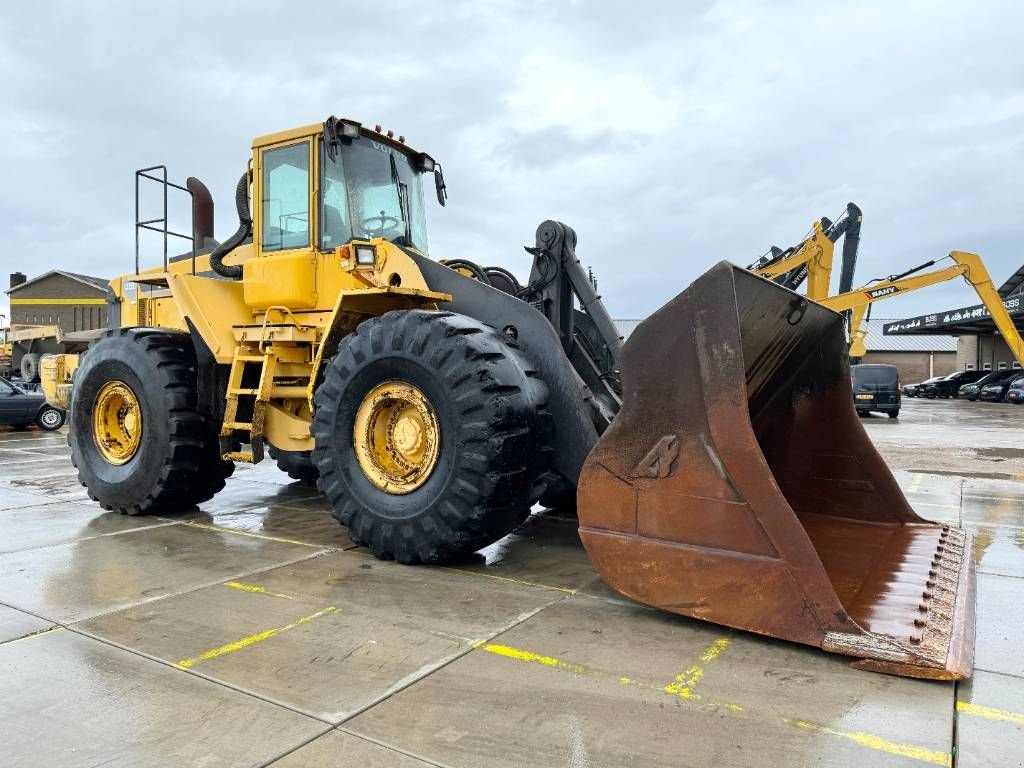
876, 388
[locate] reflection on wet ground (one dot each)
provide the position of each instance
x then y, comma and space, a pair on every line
252, 631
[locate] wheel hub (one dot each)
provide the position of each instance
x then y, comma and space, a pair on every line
397, 437
117, 422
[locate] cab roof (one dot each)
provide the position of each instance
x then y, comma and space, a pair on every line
316, 129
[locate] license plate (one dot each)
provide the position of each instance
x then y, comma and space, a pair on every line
865, 397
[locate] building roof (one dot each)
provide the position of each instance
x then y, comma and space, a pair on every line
627, 326
876, 340
99, 283
1014, 283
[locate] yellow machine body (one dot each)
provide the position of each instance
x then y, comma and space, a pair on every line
287, 313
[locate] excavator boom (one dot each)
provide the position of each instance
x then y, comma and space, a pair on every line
966, 265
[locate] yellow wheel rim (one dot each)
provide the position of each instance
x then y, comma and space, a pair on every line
397, 437
117, 422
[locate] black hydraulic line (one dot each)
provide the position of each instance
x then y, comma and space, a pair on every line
911, 271
473, 267
234, 272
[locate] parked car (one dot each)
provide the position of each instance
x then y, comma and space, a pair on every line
914, 390
876, 388
19, 409
972, 391
949, 386
995, 391
1015, 394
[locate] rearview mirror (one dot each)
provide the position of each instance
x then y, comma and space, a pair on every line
439, 185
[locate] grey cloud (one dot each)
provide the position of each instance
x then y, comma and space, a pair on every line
670, 136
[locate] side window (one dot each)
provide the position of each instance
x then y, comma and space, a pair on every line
285, 211
335, 229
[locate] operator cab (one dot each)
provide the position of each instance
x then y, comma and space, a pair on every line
370, 187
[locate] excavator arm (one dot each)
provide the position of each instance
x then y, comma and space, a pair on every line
966, 265
812, 259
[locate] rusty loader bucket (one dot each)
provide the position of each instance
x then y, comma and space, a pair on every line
737, 485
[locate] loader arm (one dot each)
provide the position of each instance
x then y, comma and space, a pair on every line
966, 265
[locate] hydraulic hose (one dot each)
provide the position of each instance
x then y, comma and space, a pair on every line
234, 272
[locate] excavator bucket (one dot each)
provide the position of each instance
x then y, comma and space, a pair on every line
737, 486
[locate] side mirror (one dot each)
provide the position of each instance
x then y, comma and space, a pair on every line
439, 185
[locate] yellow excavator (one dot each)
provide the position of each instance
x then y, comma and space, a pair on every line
811, 261
718, 466
966, 265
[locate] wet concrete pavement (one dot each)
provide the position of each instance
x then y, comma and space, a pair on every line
252, 632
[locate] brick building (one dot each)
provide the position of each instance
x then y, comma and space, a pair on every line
66, 299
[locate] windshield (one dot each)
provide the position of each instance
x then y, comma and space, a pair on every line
371, 190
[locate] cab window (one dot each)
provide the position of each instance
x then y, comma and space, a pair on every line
285, 192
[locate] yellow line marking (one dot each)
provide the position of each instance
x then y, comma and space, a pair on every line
990, 712
250, 534
245, 642
255, 588
877, 742
916, 482
712, 652
510, 580
687, 680
579, 669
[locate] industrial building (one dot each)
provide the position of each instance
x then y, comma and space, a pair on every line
69, 300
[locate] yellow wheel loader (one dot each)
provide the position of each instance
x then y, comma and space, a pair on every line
719, 469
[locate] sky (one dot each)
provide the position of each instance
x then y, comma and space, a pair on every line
670, 136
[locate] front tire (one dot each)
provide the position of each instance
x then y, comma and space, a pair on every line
431, 435
50, 418
137, 438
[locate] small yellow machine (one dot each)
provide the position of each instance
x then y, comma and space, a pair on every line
717, 464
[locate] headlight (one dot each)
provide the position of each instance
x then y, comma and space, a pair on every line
366, 255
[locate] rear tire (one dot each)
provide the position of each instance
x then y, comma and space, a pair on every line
50, 419
492, 435
30, 368
893, 414
177, 462
298, 465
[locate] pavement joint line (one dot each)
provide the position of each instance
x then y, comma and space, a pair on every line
29, 461
201, 675
82, 538
390, 747
991, 713
864, 739
31, 635
290, 750
255, 588
567, 590
206, 527
69, 624
408, 681
250, 640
